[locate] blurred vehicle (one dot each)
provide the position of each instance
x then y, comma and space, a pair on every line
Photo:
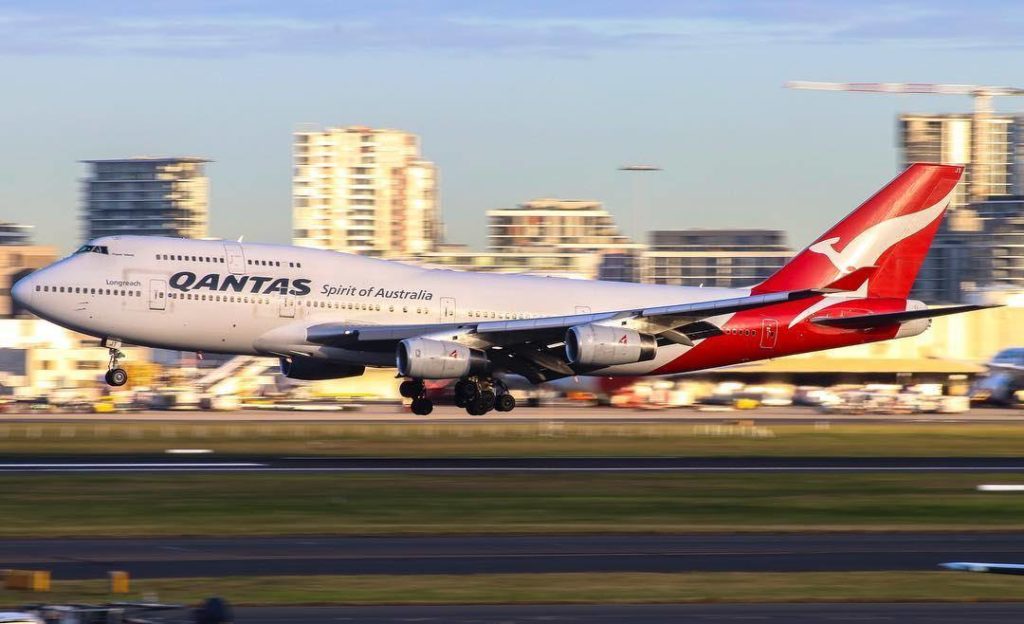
211, 611
1003, 380
19, 618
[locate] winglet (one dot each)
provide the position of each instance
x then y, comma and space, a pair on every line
851, 281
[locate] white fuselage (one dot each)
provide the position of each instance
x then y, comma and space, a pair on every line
228, 297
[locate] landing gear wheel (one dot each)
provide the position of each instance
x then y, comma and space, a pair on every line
487, 398
476, 407
460, 402
116, 377
466, 390
505, 403
411, 388
422, 407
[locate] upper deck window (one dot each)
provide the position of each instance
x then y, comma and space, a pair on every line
100, 249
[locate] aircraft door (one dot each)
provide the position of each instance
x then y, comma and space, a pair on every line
235, 257
769, 333
157, 294
287, 307
447, 309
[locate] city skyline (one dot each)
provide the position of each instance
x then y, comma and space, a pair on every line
511, 102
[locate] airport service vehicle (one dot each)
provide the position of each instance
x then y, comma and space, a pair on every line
329, 315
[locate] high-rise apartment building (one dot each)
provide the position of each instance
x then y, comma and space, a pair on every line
724, 258
15, 234
147, 197
363, 190
991, 147
982, 247
556, 225
555, 237
18, 258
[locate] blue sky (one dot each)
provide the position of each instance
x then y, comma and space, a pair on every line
512, 100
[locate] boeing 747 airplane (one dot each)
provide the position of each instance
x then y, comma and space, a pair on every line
329, 315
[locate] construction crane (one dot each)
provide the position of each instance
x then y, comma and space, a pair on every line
981, 169
982, 94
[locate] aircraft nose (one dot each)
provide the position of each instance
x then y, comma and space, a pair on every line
23, 292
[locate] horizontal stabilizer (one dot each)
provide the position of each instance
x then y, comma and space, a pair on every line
867, 321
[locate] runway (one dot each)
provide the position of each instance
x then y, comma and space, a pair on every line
833, 613
705, 552
86, 464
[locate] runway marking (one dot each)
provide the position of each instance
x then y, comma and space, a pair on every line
264, 467
994, 487
132, 466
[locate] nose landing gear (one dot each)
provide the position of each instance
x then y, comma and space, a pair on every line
116, 376
415, 390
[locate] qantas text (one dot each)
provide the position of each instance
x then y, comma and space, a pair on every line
186, 281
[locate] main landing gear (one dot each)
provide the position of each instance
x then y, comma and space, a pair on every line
481, 395
116, 376
415, 390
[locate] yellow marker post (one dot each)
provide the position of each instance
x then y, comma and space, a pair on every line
31, 580
119, 582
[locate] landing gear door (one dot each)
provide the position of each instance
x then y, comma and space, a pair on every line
235, 258
769, 333
447, 309
157, 294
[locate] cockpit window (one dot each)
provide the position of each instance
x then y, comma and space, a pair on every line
100, 249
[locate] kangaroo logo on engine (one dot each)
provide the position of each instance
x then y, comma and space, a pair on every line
186, 281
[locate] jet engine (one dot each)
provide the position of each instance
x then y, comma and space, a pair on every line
588, 346
424, 358
312, 369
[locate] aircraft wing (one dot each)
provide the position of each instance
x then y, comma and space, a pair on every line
532, 347
992, 568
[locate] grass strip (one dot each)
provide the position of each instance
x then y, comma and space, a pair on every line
554, 588
400, 503
542, 439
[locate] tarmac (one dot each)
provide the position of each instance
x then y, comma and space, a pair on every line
830, 613
692, 552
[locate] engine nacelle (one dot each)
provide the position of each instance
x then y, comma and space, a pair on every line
312, 369
423, 358
601, 345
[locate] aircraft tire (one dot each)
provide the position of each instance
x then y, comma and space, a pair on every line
116, 377
422, 407
410, 388
488, 398
467, 390
505, 403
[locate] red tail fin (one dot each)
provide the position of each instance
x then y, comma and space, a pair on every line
891, 231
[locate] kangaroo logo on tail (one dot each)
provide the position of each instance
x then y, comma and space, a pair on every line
869, 245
